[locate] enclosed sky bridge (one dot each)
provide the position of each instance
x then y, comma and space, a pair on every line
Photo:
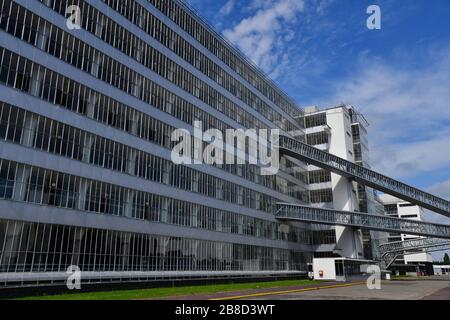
300, 213
391, 251
325, 160
414, 245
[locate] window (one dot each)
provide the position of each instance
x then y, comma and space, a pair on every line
317, 138
316, 120
321, 196
104, 109
319, 176
54, 247
409, 216
405, 205
391, 209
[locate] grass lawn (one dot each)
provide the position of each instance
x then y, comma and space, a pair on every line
172, 291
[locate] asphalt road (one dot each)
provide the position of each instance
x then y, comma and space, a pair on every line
390, 290
431, 288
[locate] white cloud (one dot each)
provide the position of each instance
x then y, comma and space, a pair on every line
263, 36
227, 8
409, 111
323, 5
441, 189
411, 159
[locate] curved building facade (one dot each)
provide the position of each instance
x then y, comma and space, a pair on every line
86, 178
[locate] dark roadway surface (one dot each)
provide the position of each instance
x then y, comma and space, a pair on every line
427, 288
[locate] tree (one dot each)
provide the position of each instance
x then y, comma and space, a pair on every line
446, 259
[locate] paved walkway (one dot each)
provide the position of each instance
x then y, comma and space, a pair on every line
443, 294
411, 289
390, 290
226, 294
253, 293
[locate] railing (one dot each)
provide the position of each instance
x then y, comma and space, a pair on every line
293, 212
363, 175
413, 244
389, 257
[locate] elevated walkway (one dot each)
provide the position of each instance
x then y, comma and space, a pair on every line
413, 245
391, 251
396, 249
325, 160
300, 213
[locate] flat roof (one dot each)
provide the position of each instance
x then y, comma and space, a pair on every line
345, 259
446, 266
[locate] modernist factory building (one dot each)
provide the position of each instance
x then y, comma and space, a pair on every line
86, 176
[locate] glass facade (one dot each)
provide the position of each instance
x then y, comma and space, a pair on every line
51, 248
50, 188
86, 118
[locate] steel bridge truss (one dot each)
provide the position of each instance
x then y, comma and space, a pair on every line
389, 257
413, 245
391, 251
325, 160
295, 212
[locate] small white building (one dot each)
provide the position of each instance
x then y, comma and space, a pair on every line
397, 208
441, 270
341, 269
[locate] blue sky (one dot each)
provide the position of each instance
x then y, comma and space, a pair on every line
321, 53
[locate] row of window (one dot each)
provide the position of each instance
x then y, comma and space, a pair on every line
357, 152
117, 36
294, 169
51, 136
137, 13
362, 194
359, 136
356, 133
159, 96
39, 32
25, 75
321, 196
38, 247
409, 216
316, 138
319, 176
316, 120
391, 209
41, 36
46, 187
